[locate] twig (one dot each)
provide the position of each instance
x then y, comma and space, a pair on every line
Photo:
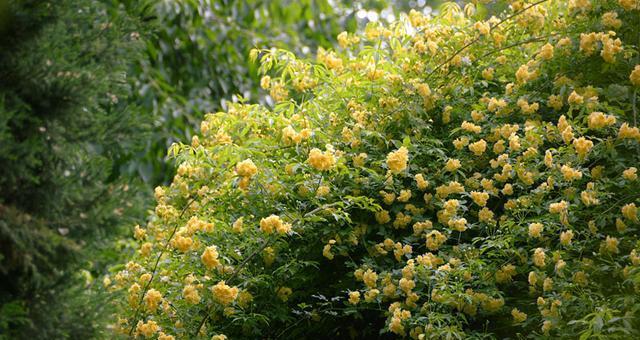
478, 38
155, 267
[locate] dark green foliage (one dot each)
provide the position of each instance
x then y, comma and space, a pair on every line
66, 131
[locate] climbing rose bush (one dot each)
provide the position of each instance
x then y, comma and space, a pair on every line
455, 176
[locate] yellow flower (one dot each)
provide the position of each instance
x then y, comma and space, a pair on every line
190, 294
539, 257
406, 285
486, 215
634, 257
274, 223
224, 294
479, 198
268, 256
371, 295
598, 120
435, 239
629, 4
518, 316
397, 160
582, 5
422, 183
219, 337
627, 132
388, 198
210, 257
588, 197
582, 146
470, 127
265, 82
522, 74
246, 168
532, 278
570, 174
610, 245
555, 102
635, 76
322, 190
147, 329
527, 108
163, 336
546, 326
487, 73
630, 174
401, 221
566, 237
237, 226
496, 104
535, 229
405, 196
452, 165
483, 27
370, 278
279, 91
322, 161
478, 148
580, 278
139, 233
145, 249
588, 43
630, 212
326, 251
284, 293
343, 39
152, 299
382, 217
183, 243
359, 159
546, 52
610, 19
575, 99
557, 208
458, 224
354, 298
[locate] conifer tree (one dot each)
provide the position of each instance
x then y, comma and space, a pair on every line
66, 131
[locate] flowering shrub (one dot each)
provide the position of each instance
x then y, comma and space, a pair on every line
445, 177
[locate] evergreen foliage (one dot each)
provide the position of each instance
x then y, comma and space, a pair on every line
66, 133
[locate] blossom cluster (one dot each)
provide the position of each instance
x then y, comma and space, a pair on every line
445, 176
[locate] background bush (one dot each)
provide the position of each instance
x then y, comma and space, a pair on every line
197, 59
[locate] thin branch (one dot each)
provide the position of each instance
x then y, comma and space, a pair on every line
478, 38
155, 267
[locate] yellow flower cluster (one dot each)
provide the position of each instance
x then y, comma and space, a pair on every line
274, 223
289, 135
224, 294
512, 183
246, 168
397, 160
210, 257
322, 161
